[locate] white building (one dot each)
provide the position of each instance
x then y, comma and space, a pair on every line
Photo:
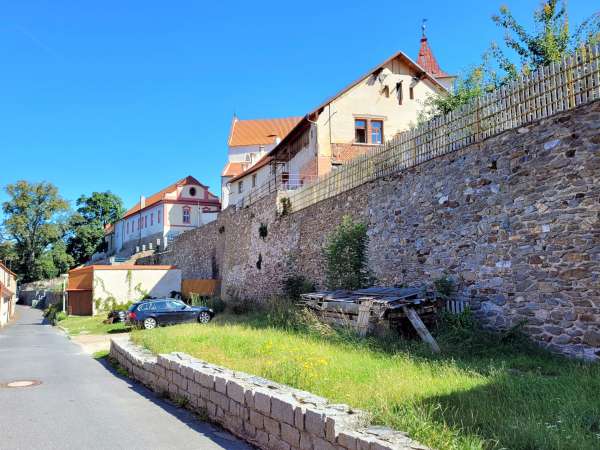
157, 219
249, 142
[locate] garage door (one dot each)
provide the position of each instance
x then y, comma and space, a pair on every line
80, 303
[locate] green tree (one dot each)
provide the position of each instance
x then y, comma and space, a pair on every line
86, 226
32, 222
346, 256
549, 41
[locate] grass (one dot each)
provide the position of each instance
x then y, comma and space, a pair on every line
76, 325
483, 392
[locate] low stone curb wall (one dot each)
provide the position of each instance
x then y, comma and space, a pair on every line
266, 414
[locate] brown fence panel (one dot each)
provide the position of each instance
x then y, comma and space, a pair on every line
205, 288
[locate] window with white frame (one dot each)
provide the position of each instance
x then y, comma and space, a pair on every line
186, 214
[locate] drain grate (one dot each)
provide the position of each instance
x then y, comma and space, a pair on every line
21, 384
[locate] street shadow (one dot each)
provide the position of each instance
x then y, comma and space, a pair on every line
212, 431
124, 330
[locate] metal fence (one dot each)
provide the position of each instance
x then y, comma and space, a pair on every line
551, 89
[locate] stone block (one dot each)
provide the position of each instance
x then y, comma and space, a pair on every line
299, 418
290, 435
347, 439
221, 384
277, 444
314, 422
271, 426
193, 388
249, 429
235, 391
262, 402
204, 379
249, 398
256, 419
282, 411
305, 441
262, 438
220, 400
322, 444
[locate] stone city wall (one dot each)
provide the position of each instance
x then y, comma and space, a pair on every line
514, 220
264, 413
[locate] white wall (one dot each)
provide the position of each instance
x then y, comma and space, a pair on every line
263, 175
130, 285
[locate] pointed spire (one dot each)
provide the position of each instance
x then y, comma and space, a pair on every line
426, 59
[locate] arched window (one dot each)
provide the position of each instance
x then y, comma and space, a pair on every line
186, 214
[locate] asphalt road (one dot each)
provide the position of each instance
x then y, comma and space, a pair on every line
81, 403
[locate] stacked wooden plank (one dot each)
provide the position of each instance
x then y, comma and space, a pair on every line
372, 309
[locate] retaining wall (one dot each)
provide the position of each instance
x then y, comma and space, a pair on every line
266, 414
514, 220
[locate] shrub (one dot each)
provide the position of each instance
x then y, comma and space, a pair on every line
54, 314
239, 306
346, 256
295, 285
214, 303
263, 231
286, 206
444, 287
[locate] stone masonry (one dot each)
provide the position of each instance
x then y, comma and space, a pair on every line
514, 220
269, 415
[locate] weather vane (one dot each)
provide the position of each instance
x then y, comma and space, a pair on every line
423, 26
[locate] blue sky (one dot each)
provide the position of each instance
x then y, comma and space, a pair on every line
130, 96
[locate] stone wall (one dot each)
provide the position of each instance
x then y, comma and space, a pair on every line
514, 220
264, 413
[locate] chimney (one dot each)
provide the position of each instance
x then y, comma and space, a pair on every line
142, 202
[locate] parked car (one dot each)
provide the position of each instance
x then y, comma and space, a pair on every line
166, 311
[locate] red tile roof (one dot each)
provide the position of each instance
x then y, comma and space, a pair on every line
155, 198
428, 62
233, 168
260, 131
261, 163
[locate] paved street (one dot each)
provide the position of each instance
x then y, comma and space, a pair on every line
80, 403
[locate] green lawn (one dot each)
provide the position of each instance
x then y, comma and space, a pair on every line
482, 392
76, 325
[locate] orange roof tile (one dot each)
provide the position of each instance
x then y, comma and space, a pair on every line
233, 168
155, 198
428, 62
260, 131
261, 163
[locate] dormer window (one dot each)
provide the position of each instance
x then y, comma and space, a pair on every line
186, 214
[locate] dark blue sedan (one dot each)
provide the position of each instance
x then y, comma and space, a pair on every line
166, 311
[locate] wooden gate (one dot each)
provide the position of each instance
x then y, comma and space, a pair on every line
80, 303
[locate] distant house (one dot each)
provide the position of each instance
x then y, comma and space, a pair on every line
365, 114
249, 141
97, 288
154, 220
8, 294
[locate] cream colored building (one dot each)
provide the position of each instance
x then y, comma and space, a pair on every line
371, 110
8, 297
93, 289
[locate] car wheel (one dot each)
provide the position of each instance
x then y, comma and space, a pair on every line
204, 317
150, 323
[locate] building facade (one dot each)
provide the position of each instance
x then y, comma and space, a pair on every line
379, 105
248, 143
97, 288
157, 219
8, 294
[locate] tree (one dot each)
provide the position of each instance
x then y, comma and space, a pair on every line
346, 255
550, 40
86, 235
32, 223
